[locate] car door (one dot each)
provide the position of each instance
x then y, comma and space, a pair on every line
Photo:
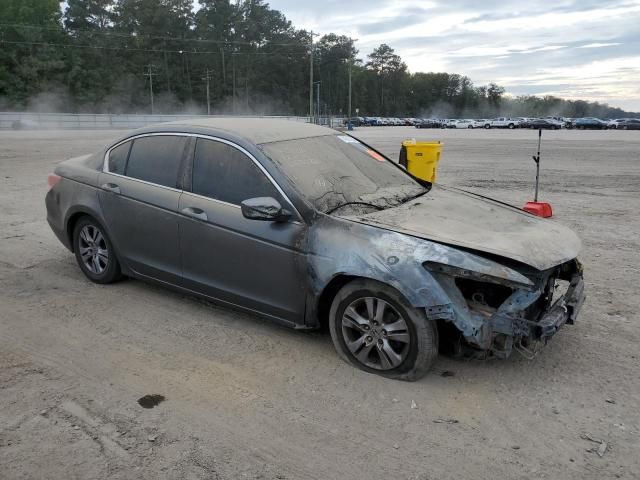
255, 264
139, 197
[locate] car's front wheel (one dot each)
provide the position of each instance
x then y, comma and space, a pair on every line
94, 252
374, 328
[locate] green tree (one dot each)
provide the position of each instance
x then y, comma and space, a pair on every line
29, 63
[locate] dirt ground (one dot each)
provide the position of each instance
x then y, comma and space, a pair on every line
248, 399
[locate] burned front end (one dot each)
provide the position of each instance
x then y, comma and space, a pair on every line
495, 315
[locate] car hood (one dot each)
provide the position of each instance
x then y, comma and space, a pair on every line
454, 217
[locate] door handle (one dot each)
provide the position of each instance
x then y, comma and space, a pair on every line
110, 187
194, 212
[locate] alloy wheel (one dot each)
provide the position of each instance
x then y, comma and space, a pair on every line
93, 249
375, 333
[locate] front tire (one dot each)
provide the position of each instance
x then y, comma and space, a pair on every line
374, 328
94, 252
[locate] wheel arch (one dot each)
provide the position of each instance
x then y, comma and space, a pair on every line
331, 289
74, 215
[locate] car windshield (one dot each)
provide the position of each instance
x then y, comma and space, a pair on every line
335, 170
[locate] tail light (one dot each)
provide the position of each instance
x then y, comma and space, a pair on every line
53, 180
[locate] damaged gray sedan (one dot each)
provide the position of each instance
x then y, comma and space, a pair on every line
311, 227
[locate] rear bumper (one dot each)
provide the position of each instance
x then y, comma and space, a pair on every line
54, 218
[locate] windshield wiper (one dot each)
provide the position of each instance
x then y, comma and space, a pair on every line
408, 199
331, 210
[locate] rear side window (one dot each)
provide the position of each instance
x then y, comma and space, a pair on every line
224, 173
156, 159
118, 158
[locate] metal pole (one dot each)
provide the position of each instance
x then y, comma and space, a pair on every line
150, 74
318, 102
233, 56
208, 97
311, 78
349, 127
537, 160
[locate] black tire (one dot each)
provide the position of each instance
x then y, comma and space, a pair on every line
487, 126
512, 126
418, 353
111, 271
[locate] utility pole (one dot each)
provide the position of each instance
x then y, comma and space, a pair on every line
207, 77
311, 78
349, 127
317, 113
150, 74
233, 58
224, 73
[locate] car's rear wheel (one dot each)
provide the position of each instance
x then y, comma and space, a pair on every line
94, 252
374, 328
511, 125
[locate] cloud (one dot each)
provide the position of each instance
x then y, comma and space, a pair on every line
569, 48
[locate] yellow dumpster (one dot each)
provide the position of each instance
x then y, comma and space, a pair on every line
421, 158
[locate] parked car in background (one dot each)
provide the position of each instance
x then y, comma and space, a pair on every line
559, 120
465, 123
224, 209
543, 123
503, 122
614, 123
357, 121
429, 123
590, 123
629, 124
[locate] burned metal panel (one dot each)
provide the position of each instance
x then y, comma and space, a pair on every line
459, 218
338, 246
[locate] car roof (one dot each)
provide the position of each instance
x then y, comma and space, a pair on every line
255, 130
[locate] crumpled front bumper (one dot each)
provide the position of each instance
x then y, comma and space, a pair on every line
517, 324
565, 310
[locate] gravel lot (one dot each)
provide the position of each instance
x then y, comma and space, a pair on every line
248, 399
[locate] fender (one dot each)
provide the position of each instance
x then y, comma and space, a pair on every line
341, 247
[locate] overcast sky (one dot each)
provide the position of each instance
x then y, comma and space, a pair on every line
570, 48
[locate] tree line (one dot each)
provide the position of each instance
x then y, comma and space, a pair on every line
107, 56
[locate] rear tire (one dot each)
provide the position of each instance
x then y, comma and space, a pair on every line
374, 328
94, 252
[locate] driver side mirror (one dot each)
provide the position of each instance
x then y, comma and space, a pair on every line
264, 208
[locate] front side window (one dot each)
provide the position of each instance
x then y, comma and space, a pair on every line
118, 158
224, 173
156, 159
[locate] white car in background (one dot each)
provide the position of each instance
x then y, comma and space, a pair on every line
614, 123
465, 123
503, 122
560, 121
